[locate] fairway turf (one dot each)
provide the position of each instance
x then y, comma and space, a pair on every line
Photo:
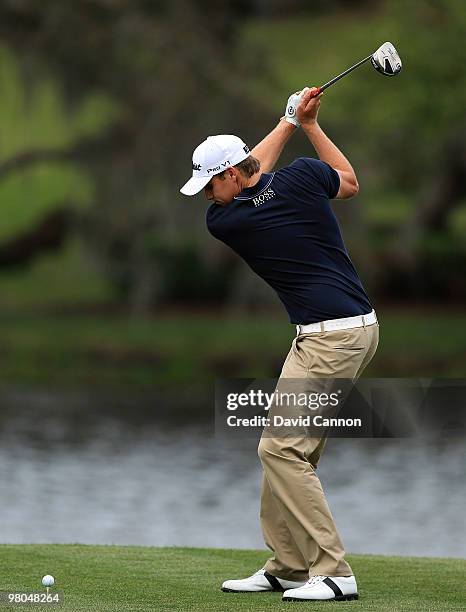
173, 579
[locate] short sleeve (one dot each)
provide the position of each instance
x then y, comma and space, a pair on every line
315, 175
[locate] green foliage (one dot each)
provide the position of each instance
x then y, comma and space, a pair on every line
181, 350
395, 127
34, 118
68, 278
25, 197
457, 225
156, 78
164, 68
388, 211
404, 135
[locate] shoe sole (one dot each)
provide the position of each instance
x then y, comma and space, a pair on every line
337, 598
225, 590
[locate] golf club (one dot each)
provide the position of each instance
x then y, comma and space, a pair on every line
385, 60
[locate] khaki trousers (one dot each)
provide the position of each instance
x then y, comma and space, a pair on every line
295, 518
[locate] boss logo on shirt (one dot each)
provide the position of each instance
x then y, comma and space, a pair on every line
263, 197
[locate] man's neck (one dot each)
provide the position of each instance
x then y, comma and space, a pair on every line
252, 180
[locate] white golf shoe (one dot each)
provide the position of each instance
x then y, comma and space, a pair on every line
318, 588
258, 582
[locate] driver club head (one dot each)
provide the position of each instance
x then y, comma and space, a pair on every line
386, 60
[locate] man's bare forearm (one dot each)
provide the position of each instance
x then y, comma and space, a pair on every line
269, 149
326, 149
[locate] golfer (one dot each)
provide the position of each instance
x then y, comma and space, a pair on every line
281, 223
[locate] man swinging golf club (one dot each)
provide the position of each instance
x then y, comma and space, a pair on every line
282, 225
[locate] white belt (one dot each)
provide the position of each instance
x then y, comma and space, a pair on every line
332, 324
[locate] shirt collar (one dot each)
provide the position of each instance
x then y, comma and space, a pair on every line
261, 185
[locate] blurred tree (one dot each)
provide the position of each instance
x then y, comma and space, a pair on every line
405, 136
176, 71
169, 68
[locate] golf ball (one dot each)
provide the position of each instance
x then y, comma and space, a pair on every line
48, 581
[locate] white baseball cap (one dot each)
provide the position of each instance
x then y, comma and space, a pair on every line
214, 155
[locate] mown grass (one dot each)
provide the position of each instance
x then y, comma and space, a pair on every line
180, 579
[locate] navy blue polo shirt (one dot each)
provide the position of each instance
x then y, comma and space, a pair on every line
286, 231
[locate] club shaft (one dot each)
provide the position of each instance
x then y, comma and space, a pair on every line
340, 76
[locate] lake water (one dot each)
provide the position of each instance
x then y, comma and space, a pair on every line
75, 469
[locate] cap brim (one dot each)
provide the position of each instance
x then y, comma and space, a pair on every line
194, 185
